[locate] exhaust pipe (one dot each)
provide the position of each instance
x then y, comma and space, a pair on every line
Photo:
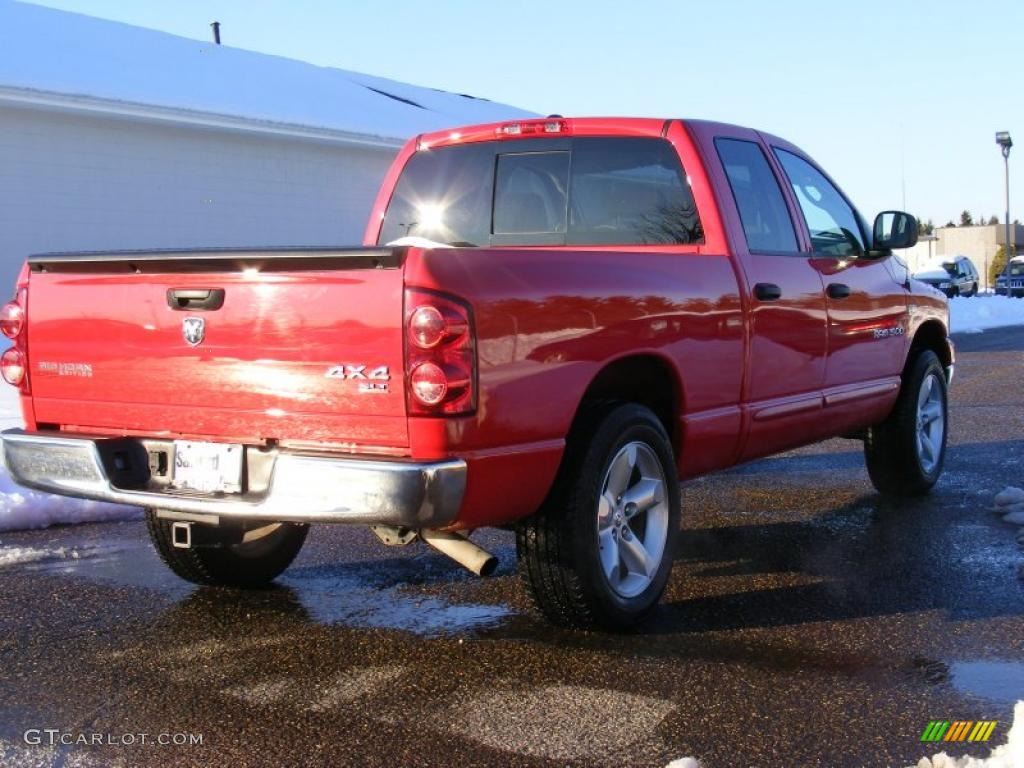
463, 551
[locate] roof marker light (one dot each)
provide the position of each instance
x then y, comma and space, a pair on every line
533, 127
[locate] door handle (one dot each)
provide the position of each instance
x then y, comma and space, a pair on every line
767, 291
200, 299
837, 291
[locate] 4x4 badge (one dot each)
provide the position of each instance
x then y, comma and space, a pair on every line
194, 330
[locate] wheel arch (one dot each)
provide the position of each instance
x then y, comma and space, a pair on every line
646, 378
931, 335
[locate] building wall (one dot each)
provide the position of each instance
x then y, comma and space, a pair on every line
80, 182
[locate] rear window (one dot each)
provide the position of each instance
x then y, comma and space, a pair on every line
444, 195
584, 191
627, 191
532, 193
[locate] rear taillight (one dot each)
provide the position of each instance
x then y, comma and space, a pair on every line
12, 366
440, 355
14, 361
12, 319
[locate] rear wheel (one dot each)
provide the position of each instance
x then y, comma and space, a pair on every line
905, 453
973, 291
237, 556
600, 549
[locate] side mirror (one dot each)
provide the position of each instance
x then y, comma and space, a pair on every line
894, 229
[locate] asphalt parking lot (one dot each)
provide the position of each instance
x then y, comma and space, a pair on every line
807, 623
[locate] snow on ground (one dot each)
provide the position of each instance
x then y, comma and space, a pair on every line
978, 313
16, 555
21, 508
1009, 505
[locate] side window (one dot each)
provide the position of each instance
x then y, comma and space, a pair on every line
630, 191
531, 192
763, 212
831, 221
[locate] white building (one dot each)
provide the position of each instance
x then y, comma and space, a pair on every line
118, 137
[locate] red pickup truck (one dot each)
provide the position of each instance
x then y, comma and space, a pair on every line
550, 321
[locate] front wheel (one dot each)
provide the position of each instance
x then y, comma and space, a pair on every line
600, 549
905, 453
238, 556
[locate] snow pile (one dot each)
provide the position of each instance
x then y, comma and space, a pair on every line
1010, 505
21, 508
17, 555
1009, 755
977, 313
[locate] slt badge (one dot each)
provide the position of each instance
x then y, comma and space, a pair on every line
194, 330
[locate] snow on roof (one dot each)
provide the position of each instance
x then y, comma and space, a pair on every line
47, 51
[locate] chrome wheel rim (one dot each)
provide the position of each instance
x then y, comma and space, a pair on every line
931, 423
632, 519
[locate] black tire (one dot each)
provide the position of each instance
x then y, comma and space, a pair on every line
973, 291
558, 550
220, 558
896, 464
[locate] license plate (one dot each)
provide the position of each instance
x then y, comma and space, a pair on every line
207, 467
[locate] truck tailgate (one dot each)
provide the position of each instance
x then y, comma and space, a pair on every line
298, 346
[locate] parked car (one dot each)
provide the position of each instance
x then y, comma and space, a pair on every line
957, 277
1016, 279
549, 323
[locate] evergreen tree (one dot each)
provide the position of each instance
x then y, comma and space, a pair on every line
993, 220
997, 266
966, 220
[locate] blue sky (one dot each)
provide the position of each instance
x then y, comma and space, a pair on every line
880, 93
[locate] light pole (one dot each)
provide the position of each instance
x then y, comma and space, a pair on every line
1005, 142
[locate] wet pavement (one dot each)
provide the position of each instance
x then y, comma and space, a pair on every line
807, 623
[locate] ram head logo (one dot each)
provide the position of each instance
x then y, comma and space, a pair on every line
194, 330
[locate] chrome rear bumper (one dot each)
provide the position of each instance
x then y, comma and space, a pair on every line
300, 487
